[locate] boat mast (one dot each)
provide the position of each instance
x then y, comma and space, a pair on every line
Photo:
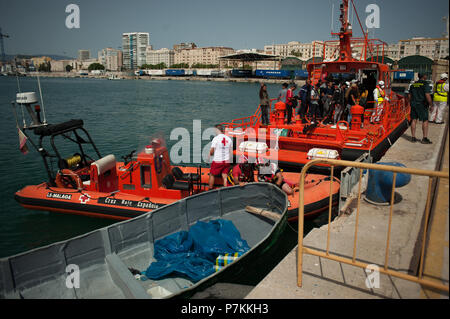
345, 34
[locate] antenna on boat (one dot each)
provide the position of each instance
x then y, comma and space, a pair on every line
332, 16
42, 100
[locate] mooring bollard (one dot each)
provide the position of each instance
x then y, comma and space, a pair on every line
379, 185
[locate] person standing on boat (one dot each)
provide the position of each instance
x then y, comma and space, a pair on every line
304, 95
420, 100
314, 105
222, 152
352, 99
323, 87
264, 102
379, 95
291, 101
283, 93
338, 101
326, 100
440, 100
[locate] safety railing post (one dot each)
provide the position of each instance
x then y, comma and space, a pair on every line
301, 213
357, 215
385, 270
424, 236
390, 222
330, 208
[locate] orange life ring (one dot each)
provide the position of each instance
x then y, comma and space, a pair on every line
61, 179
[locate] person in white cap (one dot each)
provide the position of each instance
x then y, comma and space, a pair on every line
379, 95
440, 100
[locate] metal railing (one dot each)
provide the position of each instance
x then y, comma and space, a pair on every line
352, 261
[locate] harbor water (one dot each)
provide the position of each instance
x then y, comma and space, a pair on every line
121, 116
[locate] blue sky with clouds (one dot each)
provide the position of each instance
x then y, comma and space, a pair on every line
38, 27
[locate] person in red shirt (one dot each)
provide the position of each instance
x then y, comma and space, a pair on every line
290, 102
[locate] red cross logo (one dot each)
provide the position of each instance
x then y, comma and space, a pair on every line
84, 198
224, 141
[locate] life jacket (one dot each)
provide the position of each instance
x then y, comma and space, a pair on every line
381, 95
440, 95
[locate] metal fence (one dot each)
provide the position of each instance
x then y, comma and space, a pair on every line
352, 261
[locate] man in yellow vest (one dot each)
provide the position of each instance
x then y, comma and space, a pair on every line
440, 100
379, 95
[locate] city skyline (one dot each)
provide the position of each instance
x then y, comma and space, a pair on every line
39, 27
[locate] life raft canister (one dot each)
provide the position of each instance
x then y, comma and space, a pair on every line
65, 176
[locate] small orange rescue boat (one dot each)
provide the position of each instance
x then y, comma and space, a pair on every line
85, 183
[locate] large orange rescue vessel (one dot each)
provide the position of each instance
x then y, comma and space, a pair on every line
292, 145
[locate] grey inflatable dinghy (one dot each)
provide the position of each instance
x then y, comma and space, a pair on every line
97, 264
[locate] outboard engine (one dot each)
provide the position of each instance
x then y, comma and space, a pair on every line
27, 99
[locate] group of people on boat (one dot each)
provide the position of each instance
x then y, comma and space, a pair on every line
244, 171
329, 100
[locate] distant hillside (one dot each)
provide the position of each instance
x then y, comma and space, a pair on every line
10, 57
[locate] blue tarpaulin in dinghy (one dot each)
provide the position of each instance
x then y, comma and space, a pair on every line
193, 253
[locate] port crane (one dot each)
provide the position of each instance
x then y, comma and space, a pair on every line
2, 35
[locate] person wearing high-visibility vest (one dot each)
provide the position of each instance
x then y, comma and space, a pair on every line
440, 100
379, 95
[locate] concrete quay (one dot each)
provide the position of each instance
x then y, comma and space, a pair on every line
327, 279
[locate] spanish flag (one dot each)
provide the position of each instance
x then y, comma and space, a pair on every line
23, 142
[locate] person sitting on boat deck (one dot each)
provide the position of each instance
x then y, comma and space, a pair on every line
440, 100
264, 102
379, 95
420, 100
270, 173
291, 102
222, 152
242, 173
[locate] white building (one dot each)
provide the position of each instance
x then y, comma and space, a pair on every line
206, 55
163, 55
304, 51
432, 48
59, 65
134, 45
111, 59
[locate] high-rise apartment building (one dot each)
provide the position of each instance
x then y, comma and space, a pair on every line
134, 45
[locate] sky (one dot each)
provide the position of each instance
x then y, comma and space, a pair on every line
39, 27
